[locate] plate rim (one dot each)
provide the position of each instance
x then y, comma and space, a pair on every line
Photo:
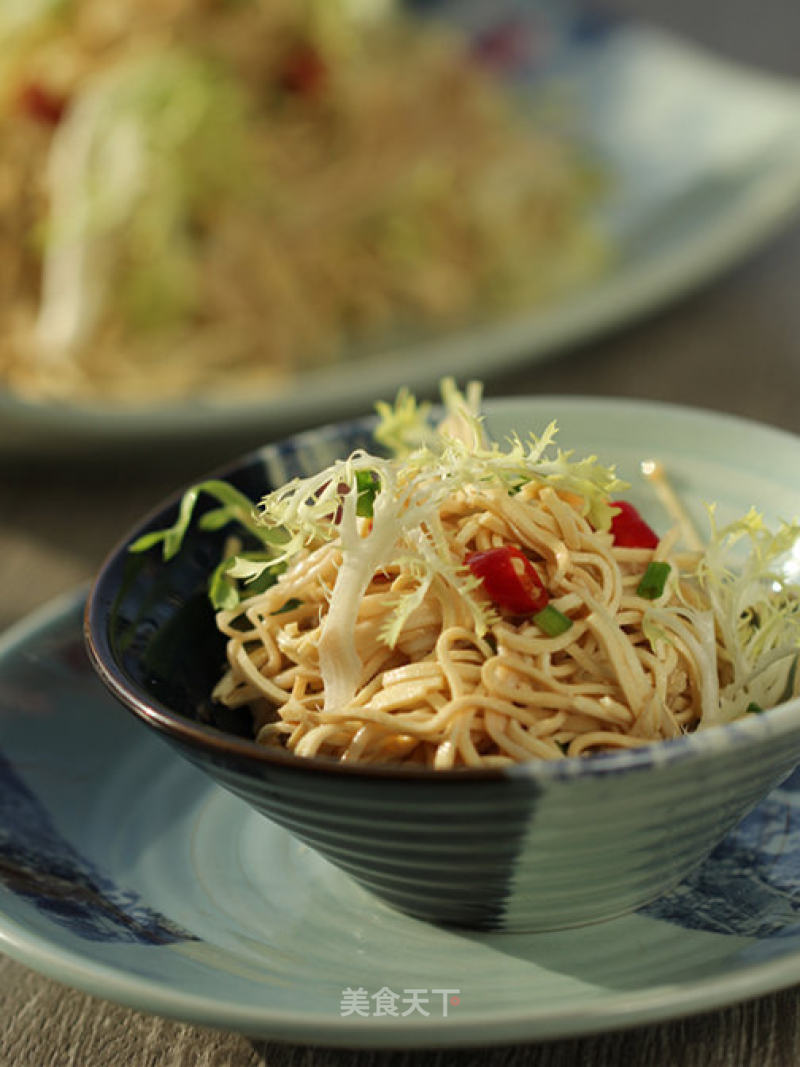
611, 1011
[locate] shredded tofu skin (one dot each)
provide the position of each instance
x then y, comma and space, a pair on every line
379, 644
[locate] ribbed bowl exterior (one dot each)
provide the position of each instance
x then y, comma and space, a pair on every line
440, 850
599, 846
525, 851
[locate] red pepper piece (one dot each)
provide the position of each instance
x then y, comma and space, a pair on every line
303, 71
629, 528
510, 579
42, 104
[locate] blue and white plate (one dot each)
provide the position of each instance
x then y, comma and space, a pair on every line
126, 873
705, 156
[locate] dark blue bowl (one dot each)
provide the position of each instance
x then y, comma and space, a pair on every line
535, 846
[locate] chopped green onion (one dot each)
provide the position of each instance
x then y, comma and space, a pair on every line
753, 708
552, 621
367, 486
653, 581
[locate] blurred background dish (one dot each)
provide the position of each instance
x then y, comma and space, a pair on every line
206, 198
157, 299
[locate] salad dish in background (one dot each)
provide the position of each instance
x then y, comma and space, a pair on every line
698, 162
212, 197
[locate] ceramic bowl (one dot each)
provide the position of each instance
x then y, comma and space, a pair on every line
537, 846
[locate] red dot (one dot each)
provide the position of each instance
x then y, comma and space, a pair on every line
455, 1001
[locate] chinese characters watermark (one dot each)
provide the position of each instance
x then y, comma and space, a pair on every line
385, 1001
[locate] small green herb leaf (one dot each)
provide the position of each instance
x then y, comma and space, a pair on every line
235, 508
222, 589
754, 708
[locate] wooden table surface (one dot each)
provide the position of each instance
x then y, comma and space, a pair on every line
734, 346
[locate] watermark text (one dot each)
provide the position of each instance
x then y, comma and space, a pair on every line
386, 1001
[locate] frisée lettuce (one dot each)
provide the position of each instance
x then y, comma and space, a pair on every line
738, 607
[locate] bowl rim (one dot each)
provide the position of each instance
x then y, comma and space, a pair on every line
780, 721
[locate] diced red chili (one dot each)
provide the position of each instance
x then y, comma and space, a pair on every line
303, 70
629, 528
42, 104
510, 579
